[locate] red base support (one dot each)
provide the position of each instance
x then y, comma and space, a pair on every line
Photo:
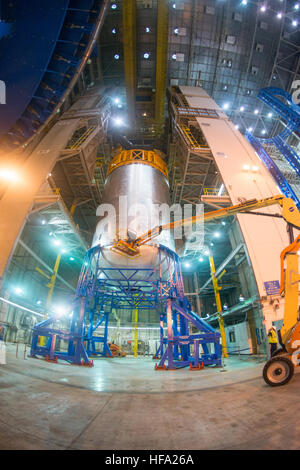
199, 367
157, 367
54, 360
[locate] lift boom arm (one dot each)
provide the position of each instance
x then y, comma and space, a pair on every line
289, 212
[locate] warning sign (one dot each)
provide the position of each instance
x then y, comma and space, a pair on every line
272, 287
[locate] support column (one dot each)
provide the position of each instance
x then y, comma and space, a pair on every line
161, 60
129, 45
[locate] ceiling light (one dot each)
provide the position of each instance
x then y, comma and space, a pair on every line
246, 167
147, 29
217, 234
146, 55
71, 258
263, 8
114, 31
223, 222
250, 129
256, 111
242, 108
241, 298
174, 5
294, 22
57, 242
116, 56
174, 56
211, 244
244, 2
18, 290
176, 31
201, 259
237, 126
113, 6
44, 222
263, 132
118, 121
296, 6
187, 265
225, 106
279, 15
9, 175
270, 115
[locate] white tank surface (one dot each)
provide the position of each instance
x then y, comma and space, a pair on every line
140, 179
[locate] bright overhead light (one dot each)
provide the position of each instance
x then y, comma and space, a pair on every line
263, 132
217, 234
244, 2
44, 222
39, 302
206, 252
147, 29
296, 6
60, 310
187, 265
116, 100
263, 8
279, 15
256, 111
242, 108
57, 242
18, 290
211, 244
237, 126
255, 168
241, 298
174, 5
113, 6
116, 56
174, 56
114, 31
250, 129
9, 175
295, 23
176, 31
225, 106
270, 115
118, 121
201, 259
246, 167
146, 55
71, 258
223, 222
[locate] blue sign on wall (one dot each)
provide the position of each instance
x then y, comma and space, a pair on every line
272, 287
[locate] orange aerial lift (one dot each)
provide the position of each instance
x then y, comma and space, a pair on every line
280, 368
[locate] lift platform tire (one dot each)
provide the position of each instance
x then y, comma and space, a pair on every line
278, 371
279, 352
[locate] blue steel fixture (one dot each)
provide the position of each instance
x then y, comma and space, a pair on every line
101, 289
290, 112
41, 59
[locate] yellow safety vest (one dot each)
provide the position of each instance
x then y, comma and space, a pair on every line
272, 337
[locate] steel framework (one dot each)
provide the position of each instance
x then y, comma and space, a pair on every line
101, 289
272, 97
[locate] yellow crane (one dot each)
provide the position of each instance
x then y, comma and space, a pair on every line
280, 368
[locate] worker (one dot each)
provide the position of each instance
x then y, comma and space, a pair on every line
272, 338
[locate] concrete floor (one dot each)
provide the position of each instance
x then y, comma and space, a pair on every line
122, 403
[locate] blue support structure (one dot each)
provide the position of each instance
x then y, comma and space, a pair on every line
101, 289
290, 112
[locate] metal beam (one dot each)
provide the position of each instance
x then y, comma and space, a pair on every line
129, 47
223, 265
161, 60
37, 258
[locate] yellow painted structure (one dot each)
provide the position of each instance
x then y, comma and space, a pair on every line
147, 157
217, 289
161, 60
129, 50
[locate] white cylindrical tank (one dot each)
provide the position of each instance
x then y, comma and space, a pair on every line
140, 179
